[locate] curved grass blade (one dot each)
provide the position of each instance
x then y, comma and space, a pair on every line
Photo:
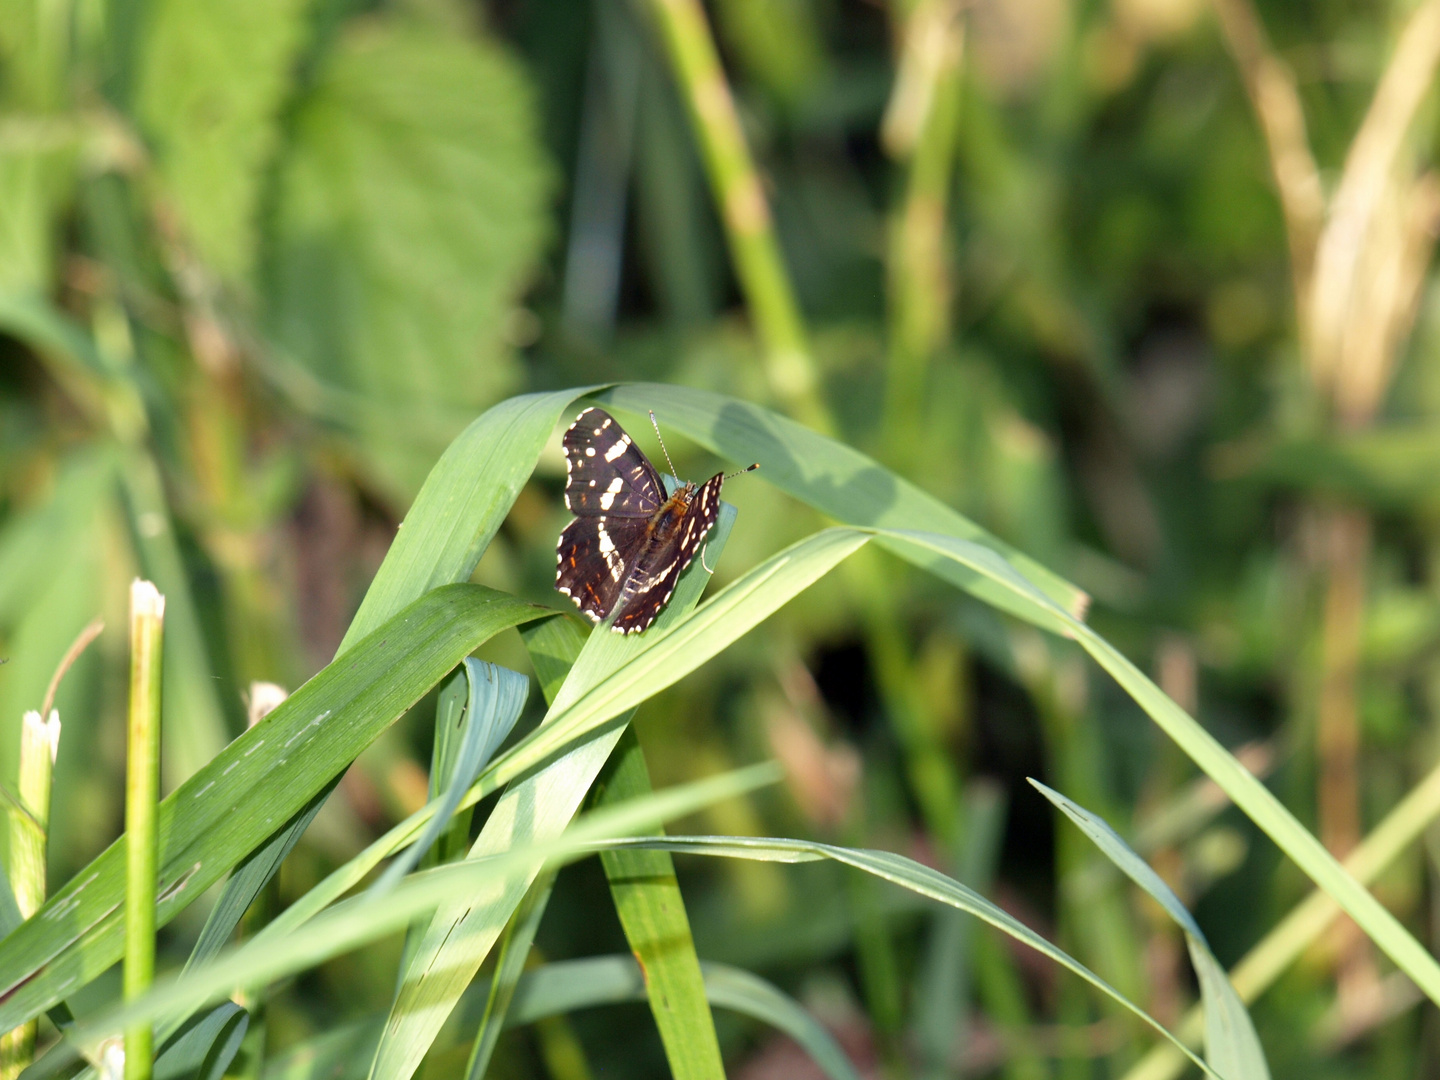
1248, 793
497, 696
536, 809
834, 478
362, 919
600, 980
908, 874
262, 778
580, 984
1231, 1046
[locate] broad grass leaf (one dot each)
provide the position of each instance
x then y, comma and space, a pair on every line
259, 781
461, 505
535, 809
646, 894
411, 209
1231, 1046
834, 478
213, 78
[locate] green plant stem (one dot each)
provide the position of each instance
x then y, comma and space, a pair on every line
142, 793
1263, 964
26, 869
744, 211
919, 275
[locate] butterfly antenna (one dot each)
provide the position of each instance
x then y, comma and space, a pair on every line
656, 425
742, 472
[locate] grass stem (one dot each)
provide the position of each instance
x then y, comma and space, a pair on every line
744, 210
142, 792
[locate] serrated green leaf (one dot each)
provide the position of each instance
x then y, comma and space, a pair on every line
411, 210
212, 81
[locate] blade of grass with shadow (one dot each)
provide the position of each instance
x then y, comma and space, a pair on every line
830, 476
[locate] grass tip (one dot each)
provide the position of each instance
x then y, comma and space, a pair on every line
146, 601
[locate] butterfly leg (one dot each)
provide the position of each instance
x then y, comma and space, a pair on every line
703, 552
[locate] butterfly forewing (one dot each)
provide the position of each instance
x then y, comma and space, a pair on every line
605, 471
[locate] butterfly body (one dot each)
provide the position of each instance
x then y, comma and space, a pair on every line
629, 543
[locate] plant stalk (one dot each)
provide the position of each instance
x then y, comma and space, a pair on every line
142, 793
39, 739
744, 210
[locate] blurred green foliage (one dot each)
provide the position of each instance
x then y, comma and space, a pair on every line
260, 263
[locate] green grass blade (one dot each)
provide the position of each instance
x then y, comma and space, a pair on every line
908, 874
563, 987
204, 1049
1248, 793
942, 988
1231, 1045
461, 505
652, 913
536, 809
834, 478
601, 980
509, 969
644, 887
364, 919
228, 809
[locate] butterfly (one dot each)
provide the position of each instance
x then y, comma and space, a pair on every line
630, 542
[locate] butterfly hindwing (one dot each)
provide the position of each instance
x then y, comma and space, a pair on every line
605, 471
650, 584
595, 556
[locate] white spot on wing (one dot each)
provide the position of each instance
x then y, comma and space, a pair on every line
615, 451
608, 499
589, 451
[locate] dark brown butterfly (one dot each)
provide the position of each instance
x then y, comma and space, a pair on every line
629, 542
